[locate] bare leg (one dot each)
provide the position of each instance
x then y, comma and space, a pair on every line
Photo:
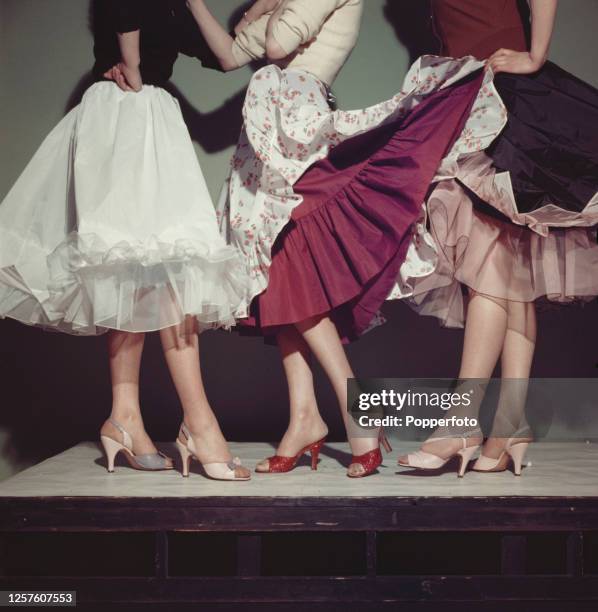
125, 350
181, 349
306, 425
520, 341
485, 333
321, 335
516, 365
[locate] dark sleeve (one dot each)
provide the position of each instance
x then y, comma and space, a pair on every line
125, 14
193, 44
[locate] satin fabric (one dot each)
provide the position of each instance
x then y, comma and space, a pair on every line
550, 144
344, 248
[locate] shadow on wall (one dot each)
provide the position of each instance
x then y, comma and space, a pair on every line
214, 131
219, 129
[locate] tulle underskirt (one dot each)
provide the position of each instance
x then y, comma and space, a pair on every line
111, 225
499, 259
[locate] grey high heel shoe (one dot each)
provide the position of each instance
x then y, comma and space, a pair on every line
152, 462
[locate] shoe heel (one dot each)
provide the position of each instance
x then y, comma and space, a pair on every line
111, 448
517, 454
315, 454
186, 457
385, 443
466, 455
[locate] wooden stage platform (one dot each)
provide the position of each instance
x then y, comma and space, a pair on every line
303, 540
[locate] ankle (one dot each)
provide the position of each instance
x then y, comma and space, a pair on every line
203, 425
362, 445
129, 413
306, 414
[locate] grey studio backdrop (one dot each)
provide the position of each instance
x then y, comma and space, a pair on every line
54, 389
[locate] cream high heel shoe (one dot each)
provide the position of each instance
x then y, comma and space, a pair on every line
422, 460
217, 471
514, 451
151, 462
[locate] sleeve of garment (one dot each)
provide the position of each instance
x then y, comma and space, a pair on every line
193, 44
125, 14
250, 44
301, 20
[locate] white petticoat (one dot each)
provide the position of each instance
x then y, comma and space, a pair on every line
289, 126
111, 225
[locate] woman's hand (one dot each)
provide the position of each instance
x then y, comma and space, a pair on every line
128, 78
132, 76
514, 62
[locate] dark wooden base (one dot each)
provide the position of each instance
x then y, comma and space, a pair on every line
249, 523
240, 514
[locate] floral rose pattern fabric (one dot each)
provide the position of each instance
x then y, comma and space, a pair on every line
288, 126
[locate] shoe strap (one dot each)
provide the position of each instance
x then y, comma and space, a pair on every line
127, 440
189, 442
517, 438
463, 438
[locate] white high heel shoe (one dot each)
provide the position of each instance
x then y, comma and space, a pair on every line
153, 462
217, 471
514, 451
422, 460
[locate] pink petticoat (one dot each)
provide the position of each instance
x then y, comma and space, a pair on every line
497, 258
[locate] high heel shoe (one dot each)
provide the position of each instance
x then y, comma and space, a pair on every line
422, 460
514, 451
153, 462
369, 462
232, 470
278, 464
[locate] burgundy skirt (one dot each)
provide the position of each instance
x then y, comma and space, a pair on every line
343, 250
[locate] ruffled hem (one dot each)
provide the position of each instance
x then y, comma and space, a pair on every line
130, 287
111, 225
289, 128
348, 241
478, 173
500, 260
18, 302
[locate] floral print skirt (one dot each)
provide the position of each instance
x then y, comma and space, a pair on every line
328, 207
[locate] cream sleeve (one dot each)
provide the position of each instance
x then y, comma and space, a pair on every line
250, 43
301, 20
